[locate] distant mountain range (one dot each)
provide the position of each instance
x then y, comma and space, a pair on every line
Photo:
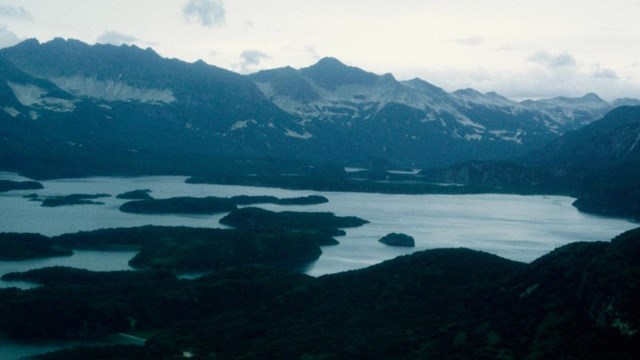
599, 164
611, 141
71, 109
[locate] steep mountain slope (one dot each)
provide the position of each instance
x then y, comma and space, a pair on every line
413, 120
599, 164
130, 74
23, 95
40, 122
612, 140
607, 154
573, 113
147, 113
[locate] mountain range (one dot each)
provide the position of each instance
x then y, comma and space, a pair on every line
598, 163
73, 109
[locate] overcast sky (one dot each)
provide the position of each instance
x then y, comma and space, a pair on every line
521, 49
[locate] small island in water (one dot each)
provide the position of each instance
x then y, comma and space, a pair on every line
142, 194
9, 185
395, 239
209, 204
15, 247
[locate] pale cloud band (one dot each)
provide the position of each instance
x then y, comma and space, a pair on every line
491, 46
15, 12
206, 12
250, 59
7, 38
553, 61
604, 73
116, 38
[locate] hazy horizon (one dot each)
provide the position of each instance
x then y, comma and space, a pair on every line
534, 50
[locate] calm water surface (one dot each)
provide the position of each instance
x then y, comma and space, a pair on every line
521, 228
517, 227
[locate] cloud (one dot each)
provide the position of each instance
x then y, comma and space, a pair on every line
469, 41
253, 57
15, 12
603, 73
553, 61
206, 12
312, 52
534, 82
250, 59
7, 38
116, 38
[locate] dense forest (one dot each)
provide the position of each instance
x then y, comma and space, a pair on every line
445, 303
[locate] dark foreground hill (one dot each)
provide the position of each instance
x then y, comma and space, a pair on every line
578, 302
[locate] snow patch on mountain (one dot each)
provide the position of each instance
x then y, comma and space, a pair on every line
33, 95
429, 117
11, 111
468, 122
305, 134
242, 124
635, 143
503, 135
552, 126
27, 95
111, 90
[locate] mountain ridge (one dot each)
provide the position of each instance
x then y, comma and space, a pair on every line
160, 115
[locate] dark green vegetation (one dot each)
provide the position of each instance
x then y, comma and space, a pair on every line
135, 195
578, 302
395, 239
303, 200
265, 237
336, 179
180, 205
210, 204
267, 199
194, 249
256, 218
28, 246
254, 199
8, 185
218, 249
73, 199
99, 303
178, 248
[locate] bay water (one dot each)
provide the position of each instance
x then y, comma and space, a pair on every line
516, 227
